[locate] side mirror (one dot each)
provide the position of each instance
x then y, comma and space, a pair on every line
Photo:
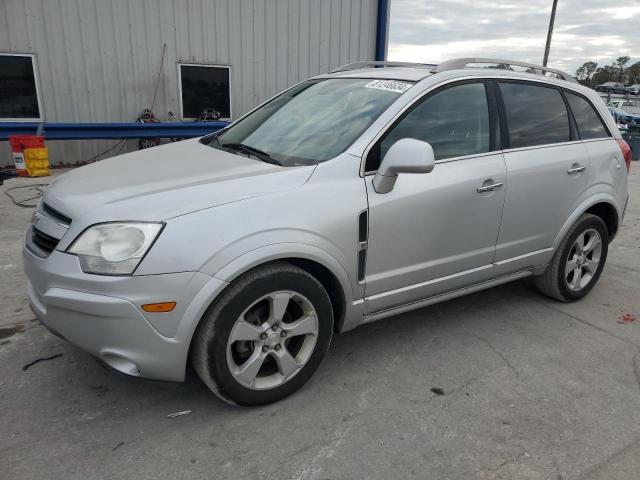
407, 155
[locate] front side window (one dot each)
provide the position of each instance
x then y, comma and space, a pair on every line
536, 115
312, 122
454, 121
18, 92
589, 123
205, 92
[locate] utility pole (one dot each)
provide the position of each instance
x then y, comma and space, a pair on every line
549, 33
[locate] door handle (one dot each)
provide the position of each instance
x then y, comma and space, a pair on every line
576, 169
489, 188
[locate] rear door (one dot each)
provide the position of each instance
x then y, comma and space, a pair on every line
547, 171
605, 158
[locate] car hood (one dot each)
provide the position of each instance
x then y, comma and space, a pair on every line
167, 181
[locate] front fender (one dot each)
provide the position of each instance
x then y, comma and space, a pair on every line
279, 251
223, 275
352, 291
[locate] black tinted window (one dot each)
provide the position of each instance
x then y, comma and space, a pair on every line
18, 95
204, 88
589, 123
535, 115
454, 121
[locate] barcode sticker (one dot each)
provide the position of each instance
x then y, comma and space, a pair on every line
389, 85
18, 161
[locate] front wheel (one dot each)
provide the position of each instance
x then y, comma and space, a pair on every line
265, 336
578, 262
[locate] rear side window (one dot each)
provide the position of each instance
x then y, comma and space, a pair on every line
536, 115
455, 121
589, 123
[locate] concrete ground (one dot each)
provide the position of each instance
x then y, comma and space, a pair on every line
532, 389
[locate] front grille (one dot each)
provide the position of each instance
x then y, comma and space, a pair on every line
52, 212
44, 242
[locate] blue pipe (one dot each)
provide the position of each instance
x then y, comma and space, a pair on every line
382, 26
90, 131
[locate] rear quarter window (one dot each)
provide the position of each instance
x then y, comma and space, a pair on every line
589, 123
536, 115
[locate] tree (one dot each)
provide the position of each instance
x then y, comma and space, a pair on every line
620, 63
501, 66
585, 73
603, 74
633, 73
590, 74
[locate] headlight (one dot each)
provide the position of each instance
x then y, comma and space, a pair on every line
114, 248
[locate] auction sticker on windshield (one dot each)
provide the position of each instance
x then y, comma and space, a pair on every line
389, 85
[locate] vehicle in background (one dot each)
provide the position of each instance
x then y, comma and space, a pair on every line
351, 197
633, 89
611, 87
629, 106
624, 118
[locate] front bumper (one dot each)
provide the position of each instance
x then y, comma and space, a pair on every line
103, 314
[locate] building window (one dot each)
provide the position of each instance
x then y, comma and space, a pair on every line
18, 88
203, 89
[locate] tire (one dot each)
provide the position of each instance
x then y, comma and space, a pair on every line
561, 280
241, 334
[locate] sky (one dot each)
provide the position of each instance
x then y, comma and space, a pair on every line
430, 31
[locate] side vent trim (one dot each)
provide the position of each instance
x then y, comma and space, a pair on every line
362, 264
363, 227
363, 237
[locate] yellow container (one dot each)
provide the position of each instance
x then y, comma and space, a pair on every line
37, 162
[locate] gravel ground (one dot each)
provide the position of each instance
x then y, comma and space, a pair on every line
502, 384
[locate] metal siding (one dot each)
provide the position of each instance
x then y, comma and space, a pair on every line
4, 24
98, 59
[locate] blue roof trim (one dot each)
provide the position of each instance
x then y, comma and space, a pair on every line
90, 131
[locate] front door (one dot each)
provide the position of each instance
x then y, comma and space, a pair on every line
437, 232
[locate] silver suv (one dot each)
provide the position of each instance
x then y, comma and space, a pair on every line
350, 197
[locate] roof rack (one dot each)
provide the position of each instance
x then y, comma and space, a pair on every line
358, 65
460, 63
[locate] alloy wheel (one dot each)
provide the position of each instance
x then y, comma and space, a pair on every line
272, 340
583, 260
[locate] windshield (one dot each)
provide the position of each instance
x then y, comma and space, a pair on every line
312, 122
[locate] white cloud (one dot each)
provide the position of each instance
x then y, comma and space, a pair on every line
435, 30
621, 12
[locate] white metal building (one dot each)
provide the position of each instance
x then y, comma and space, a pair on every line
84, 61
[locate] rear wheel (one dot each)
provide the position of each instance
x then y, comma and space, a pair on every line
265, 336
578, 262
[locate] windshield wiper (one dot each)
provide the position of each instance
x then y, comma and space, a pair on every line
241, 147
212, 137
